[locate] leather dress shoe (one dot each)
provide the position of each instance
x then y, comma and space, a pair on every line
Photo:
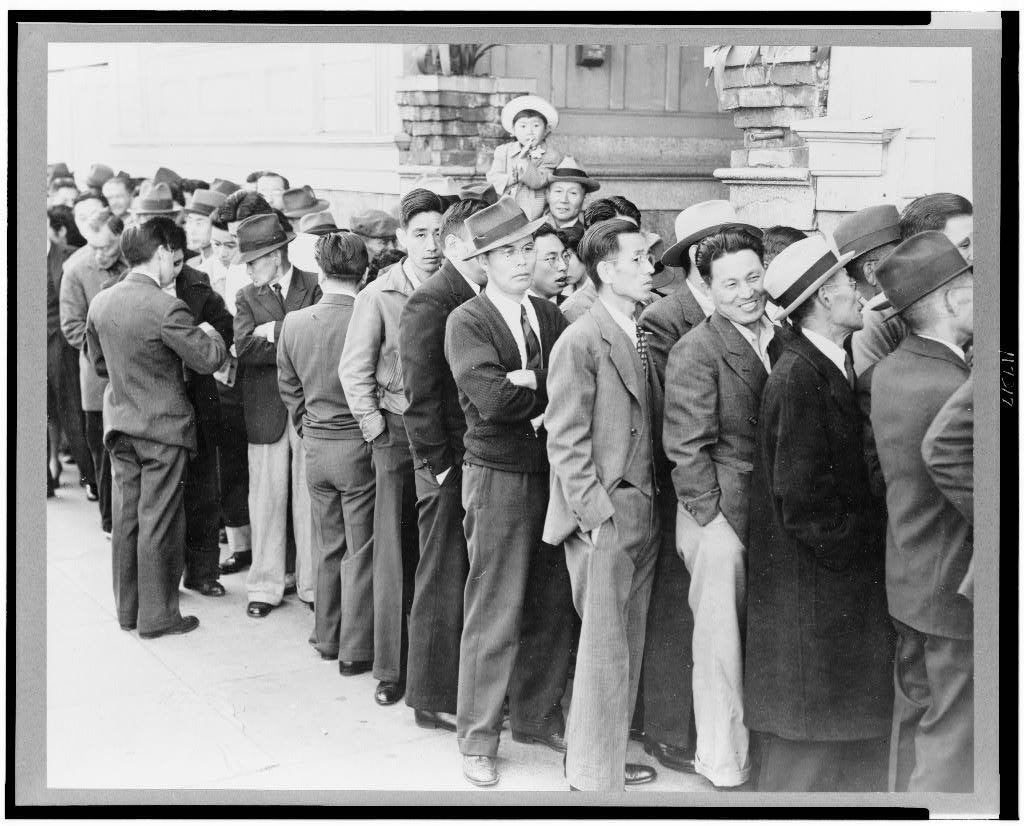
210, 588
182, 626
636, 734
434, 719
637, 773
128, 627
479, 769
238, 561
671, 757
552, 740
259, 609
90, 492
388, 693
349, 668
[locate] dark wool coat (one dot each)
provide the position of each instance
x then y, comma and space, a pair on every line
819, 650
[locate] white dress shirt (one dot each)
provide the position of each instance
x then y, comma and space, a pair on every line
765, 333
832, 351
511, 313
625, 322
958, 350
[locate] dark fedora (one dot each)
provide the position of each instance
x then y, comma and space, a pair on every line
498, 225
302, 201
259, 234
570, 171
99, 174
867, 229
224, 187
60, 170
374, 223
318, 223
205, 201
166, 176
156, 200
918, 266
479, 192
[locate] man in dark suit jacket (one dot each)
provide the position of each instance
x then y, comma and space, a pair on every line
436, 424
275, 452
819, 642
138, 336
929, 542
604, 422
499, 345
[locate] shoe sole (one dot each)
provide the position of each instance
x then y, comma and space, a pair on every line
682, 769
152, 635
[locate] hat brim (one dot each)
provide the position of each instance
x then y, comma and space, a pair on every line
673, 256
588, 184
843, 260
946, 279
537, 103
322, 230
252, 255
522, 232
320, 205
204, 213
662, 276
171, 211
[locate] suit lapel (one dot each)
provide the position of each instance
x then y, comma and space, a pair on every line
692, 312
620, 351
508, 350
461, 291
838, 385
296, 291
270, 303
739, 355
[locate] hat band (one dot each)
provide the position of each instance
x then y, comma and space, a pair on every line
566, 172
306, 202
872, 240
812, 274
260, 243
501, 230
153, 206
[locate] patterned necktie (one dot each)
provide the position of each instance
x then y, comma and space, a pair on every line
280, 296
851, 376
533, 361
641, 347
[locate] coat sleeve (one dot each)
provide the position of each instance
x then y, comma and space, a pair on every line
421, 347
876, 481
357, 368
74, 307
479, 373
803, 480
249, 348
199, 351
93, 349
948, 450
664, 329
215, 312
569, 422
690, 429
288, 380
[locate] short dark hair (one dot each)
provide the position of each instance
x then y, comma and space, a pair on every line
419, 200
777, 238
268, 174
341, 255
723, 242
178, 241
601, 241
932, 212
61, 215
547, 229
613, 206
90, 195
454, 218
572, 236
190, 185
62, 183
139, 243
239, 205
528, 113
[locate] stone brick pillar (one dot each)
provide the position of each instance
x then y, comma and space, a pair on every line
451, 124
769, 182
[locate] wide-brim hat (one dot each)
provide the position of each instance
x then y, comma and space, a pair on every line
534, 102
205, 201
259, 234
568, 171
498, 225
318, 223
918, 266
374, 223
302, 201
479, 192
156, 200
799, 270
867, 229
699, 221
166, 176
98, 175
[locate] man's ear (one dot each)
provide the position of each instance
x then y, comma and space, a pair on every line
868, 269
603, 268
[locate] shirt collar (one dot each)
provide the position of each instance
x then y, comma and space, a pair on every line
145, 274
507, 306
535, 294
958, 350
765, 332
285, 281
410, 274
832, 351
627, 324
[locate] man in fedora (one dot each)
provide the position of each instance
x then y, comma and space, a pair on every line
566, 191
819, 643
339, 463
499, 346
371, 374
198, 227
436, 426
929, 541
156, 200
603, 419
118, 192
377, 230
276, 458
99, 174
223, 186
272, 186
141, 337
297, 204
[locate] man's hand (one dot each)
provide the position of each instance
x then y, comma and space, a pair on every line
523, 378
265, 330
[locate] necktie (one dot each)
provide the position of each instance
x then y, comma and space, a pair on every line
641, 347
533, 361
280, 296
851, 376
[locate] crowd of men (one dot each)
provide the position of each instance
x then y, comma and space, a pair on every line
703, 496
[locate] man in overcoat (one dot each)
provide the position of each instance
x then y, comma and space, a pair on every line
819, 641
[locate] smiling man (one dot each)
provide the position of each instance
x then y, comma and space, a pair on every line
566, 192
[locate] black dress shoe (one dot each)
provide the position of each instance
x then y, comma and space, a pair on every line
388, 693
552, 740
671, 757
636, 734
236, 562
183, 626
349, 668
637, 773
128, 627
210, 588
259, 609
90, 492
434, 719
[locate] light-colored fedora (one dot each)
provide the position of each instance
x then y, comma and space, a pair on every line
699, 221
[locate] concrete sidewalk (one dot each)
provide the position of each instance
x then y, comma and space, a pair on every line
237, 704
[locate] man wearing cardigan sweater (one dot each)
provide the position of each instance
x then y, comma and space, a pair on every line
498, 345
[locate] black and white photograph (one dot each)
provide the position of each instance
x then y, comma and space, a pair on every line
514, 420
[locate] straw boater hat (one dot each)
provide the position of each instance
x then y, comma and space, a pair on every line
318, 223
99, 174
867, 229
799, 270
205, 201
259, 234
918, 266
302, 201
498, 225
699, 221
534, 102
570, 171
155, 200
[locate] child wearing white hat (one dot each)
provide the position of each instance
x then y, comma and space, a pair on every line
522, 168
